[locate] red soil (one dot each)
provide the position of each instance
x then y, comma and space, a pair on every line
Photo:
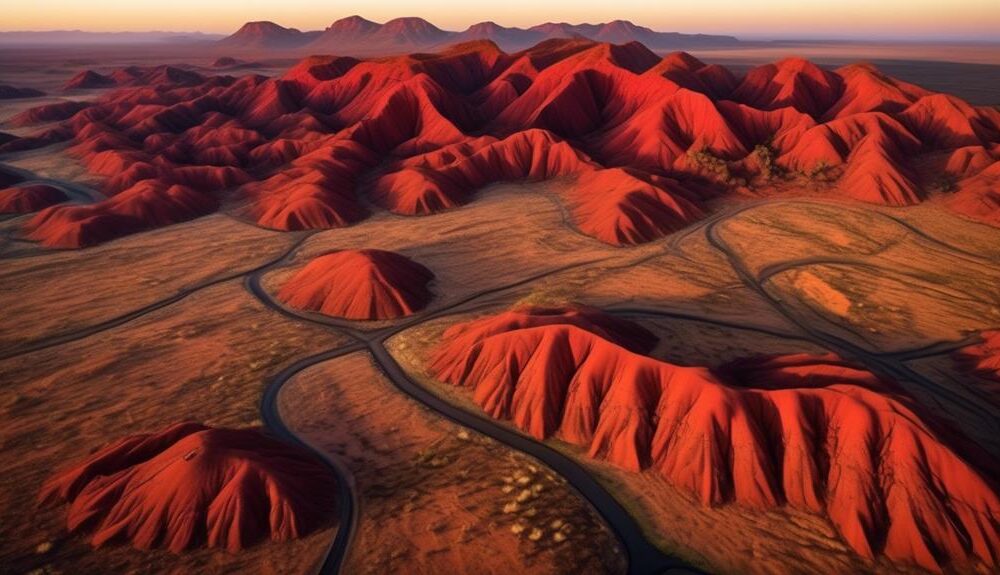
30, 198
421, 133
811, 432
360, 285
193, 485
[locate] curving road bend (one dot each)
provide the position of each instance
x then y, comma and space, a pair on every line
347, 493
69, 336
644, 558
76, 192
887, 364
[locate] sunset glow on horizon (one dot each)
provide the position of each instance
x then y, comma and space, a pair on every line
848, 19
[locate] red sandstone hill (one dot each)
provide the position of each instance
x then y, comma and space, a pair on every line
983, 360
147, 204
500, 35
8, 92
357, 35
159, 76
360, 285
193, 485
29, 198
88, 80
983, 357
46, 113
266, 35
643, 141
812, 432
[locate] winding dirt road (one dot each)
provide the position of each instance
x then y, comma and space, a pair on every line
643, 556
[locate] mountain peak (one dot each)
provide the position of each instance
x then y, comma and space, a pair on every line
264, 34
354, 23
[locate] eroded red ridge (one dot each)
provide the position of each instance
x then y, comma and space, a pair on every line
29, 198
812, 432
192, 485
643, 141
148, 204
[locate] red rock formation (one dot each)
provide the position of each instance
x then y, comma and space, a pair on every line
868, 90
624, 333
983, 360
623, 207
266, 35
356, 35
148, 204
792, 82
159, 76
88, 80
360, 285
978, 196
8, 92
617, 206
192, 485
811, 432
29, 198
422, 133
46, 113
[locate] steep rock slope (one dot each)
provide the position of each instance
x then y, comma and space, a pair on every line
29, 198
360, 284
644, 142
815, 433
192, 485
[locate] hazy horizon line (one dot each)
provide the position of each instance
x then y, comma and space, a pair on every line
742, 36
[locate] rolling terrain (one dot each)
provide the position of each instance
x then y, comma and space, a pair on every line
571, 306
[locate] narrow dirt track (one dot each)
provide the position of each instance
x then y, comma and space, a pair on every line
643, 556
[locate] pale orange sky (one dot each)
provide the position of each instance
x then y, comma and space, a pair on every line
873, 19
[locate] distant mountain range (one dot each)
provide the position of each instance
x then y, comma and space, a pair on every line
79, 37
357, 35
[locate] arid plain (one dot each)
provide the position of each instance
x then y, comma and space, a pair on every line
580, 307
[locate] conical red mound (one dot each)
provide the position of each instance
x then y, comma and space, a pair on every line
30, 198
193, 485
644, 142
360, 285
814, 433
